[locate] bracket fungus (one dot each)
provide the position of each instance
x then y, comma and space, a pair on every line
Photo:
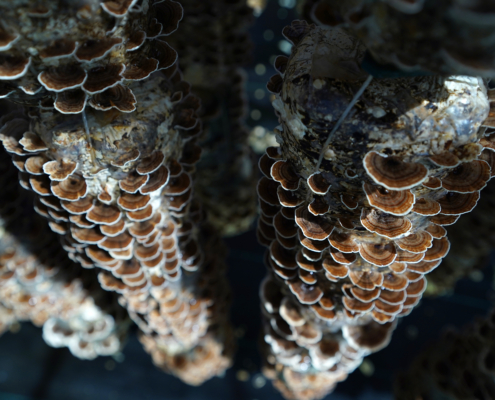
377, 195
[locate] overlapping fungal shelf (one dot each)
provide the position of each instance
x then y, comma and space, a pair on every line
457, 366
38, 282
349, 241
69, 55
213, 45
115, 179
458, 32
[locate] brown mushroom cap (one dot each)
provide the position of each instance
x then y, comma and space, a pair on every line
438, 250
396, 202
342, 258
311, 255
318, 206
416, 288
87, 235
380, 317
265, 165
445, 159
283, 172
34, 165
288, 198
40, 184
417, 242
178, 185
306, 294
426, 206
58, 79
381, 255
334, 268
59, 170
117, 8
468, 177
164, 53
32, 142
436, 231
122, 241
104, 214
81, 221
92, 50
13, 67
366, 280
307, 265
454, 203
156, 181
103, 77
313, 227
58, 49
71, 101
424, 267
275, 84
290, 312
133, 182
7, 39
444, 220
73, 188
394, 282
140, 67
322, 313
283, 257
284, 227
387, 309
327, 302
169, 14
349, 201
407, 257
80, 206
119, 97
392, 298
356, 305
432, 183
307, 277
114, 229
385, 224
365, 296
318, 184
141, 215
392, 173
133, 202
150, 164
310, 244
343, 242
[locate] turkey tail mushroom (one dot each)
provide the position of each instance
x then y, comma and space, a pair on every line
380, 220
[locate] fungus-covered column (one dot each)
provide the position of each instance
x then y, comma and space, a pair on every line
109, 150
354, 208
213, 45
39, 283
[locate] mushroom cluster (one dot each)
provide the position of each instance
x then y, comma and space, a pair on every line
227, 176
118, 188
38, 283
68, 55
306, 351
460, 365
115, 179
353, 209
439, 36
